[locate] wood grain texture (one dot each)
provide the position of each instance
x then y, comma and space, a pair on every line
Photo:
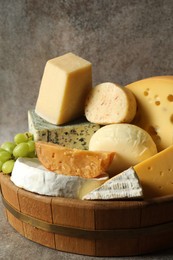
97, 228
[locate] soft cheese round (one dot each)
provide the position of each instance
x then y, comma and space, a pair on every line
131, 144
108, 103
30, 174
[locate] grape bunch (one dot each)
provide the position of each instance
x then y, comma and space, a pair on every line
22, 146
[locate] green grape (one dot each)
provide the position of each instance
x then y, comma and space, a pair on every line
4, 156
29, 136
8, 146
21, 150
1, 163
7, 166
32, 155
31, 145
20, 138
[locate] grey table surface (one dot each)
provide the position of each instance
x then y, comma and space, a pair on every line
14, 246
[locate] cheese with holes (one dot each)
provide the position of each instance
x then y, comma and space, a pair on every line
83, 163
77, 134
30, 174
155, 108
108, 103
156, 174
125, 185
131, 144
65, 83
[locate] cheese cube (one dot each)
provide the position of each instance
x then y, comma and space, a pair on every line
155, 108
156, 174
77, 134
66, 82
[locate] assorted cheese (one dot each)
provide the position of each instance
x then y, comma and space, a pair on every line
77, 134
131, 144
108, 103
74, 162
126, 132
66, 82
30, 174
155, 108
125, 185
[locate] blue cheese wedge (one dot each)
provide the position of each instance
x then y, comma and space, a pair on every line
125, 185
74, 135
30, 174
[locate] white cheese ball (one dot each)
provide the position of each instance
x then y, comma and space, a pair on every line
131, 144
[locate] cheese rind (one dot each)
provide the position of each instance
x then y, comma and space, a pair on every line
155, 108
131, 144
31, 175
125, 185
156, 174
109, 103
77, 134
65, 83
75, 162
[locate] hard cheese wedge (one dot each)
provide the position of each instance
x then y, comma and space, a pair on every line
73, 162
77, 134
125, 185
65, 84
156, 174
31, 175
155, 108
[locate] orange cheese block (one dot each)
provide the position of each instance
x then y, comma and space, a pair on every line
68, 161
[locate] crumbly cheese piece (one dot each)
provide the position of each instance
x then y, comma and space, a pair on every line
65, 83
131, 144
108, 103
125, 185
30, 174
156, 174
74, 135
155, 108
75, 162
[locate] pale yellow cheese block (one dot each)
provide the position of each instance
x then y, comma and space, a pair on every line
65, 83
156, 174
155, 108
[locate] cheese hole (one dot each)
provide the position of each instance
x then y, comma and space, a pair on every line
157, 103
170, 98
171, 118
53, 155
161, 173
145, 93
149, 168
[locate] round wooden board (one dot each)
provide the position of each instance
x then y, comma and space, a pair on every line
95, 228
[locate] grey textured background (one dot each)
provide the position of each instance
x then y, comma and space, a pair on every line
125, 40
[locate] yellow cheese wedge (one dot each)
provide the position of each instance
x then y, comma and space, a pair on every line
156, 174
74, 162
66, 82
155, 108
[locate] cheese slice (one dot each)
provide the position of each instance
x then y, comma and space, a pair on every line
31, 175
76, 134
155, 108
109, 103
131, 144
125, 185
156, 174
65, 83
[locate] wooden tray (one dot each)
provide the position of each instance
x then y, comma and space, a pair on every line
95, 228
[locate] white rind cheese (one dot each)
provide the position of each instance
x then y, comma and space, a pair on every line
125, 185
30, 174
74, 135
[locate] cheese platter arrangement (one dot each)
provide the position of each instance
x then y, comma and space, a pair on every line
93, 174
